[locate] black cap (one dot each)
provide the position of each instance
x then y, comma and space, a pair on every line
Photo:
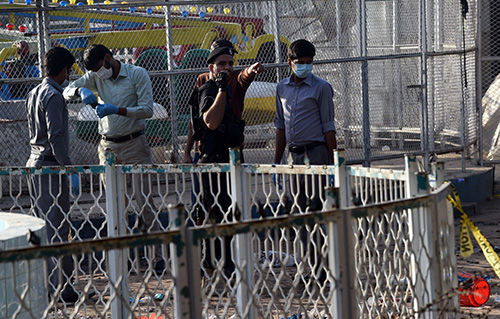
220, 51
222, 43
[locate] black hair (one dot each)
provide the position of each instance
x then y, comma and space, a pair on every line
94, 54
57, 59
301, 48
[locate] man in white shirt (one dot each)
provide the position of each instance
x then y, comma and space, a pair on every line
125, 102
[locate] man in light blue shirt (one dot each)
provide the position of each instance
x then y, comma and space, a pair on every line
125, 102
305, 121
304, 111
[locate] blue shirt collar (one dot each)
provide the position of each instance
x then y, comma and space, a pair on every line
307, 80
54, 84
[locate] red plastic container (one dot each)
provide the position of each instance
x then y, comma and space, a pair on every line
477, 294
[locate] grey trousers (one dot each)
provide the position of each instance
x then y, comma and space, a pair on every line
309, 200
316, 156
44, 189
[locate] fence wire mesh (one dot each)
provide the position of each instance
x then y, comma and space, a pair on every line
489, 68
379, 57
258, 247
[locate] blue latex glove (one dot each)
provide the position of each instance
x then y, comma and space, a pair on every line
87, 96
106, 109
331, 180
276, 179
75, 183
196, 157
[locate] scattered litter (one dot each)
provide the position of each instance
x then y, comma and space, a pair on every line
59, 313
145, 299
315, 314
381, 300
401, 282
152, 316
159, 296
212, 316
267, 257
370, 301
142, 300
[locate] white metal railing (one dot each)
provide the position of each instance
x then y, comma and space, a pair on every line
391, 255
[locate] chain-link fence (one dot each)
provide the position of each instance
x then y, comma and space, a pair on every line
489, 69
400, 78
390, 256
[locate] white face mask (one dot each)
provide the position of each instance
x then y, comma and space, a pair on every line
104, 73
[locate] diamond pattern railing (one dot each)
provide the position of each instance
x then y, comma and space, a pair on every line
379, 253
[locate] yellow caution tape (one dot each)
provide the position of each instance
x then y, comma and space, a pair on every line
466, 248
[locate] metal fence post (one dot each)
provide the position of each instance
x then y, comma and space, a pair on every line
438, 172
185, 267
43, 36
173, 89
425, 128
340, 241
116, 260
446, 265
275, 29
341, 181
364, 83
422, 238
243, 254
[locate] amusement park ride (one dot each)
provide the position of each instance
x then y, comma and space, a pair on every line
143, 33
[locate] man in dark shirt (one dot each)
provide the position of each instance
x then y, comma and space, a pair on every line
221, 129
238, 83
49, 140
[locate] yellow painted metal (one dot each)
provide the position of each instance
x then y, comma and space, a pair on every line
252, 49
185, 30
260, 103
157, 37
5, 54
259, 110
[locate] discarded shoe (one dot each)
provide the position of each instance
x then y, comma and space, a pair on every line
159, 267
69, 295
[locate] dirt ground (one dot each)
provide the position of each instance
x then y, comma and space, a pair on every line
486, 216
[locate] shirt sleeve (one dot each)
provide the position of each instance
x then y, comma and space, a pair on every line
54, 110
202, 79
279, 121
85, 81
327, 112
144, 91
208, 92
245, 78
